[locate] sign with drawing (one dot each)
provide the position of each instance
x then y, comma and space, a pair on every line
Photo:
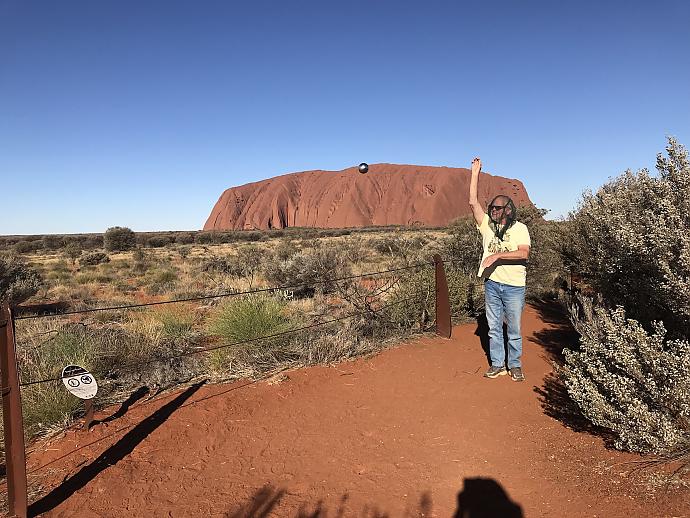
79, 382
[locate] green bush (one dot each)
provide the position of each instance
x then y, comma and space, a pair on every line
53, 242
545, 264
162, 281
309, 272
48, 404
463, 246
72, 251
184, 238
158, 241
464, 292
630, 241
27, 247
246, 318
93, 258
18, 281
285, 249
117, 239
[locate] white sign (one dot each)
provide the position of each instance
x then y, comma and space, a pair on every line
79, 382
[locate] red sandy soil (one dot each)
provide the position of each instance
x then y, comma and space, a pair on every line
413, 431
389, 194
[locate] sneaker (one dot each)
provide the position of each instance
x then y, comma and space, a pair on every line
516, 374
494, 372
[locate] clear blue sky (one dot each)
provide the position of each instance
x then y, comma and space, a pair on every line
140, 113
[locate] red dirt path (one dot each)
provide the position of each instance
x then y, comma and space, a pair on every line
414, 431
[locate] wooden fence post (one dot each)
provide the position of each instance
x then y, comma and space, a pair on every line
15, 454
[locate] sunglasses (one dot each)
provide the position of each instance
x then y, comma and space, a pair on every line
496, 207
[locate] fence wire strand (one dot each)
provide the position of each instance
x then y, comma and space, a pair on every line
222, 295
132, 365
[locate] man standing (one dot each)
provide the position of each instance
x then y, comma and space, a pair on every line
503, 267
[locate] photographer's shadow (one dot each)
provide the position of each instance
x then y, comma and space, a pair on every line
485, 498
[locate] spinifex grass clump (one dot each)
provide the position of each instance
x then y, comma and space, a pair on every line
176, 321
242, 319
47, 404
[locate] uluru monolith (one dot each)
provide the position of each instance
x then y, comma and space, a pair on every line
389, 194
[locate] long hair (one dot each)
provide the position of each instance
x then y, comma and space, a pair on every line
509, 215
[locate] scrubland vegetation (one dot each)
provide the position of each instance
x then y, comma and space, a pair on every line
631, 374
628, 241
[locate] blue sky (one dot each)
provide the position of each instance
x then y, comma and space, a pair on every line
141, 113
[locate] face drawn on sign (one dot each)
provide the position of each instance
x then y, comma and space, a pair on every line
79, 382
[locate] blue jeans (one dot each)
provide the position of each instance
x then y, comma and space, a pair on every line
504, 302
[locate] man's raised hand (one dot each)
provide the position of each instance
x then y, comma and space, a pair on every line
476, 165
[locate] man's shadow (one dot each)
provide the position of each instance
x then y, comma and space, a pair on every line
485, 498
112, 455
482, 332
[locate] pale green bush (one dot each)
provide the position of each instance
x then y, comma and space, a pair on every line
630, 241
632, 382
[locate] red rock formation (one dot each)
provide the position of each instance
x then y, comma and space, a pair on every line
388, 194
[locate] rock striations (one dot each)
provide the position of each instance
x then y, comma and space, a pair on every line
388, 194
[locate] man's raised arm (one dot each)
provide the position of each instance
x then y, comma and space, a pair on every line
477, 209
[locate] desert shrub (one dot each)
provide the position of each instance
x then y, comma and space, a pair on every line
632, 382
142, 261
184, 252
158, 241
72, 251
242, 319
464, 293
162, 281
18, 281
53, 242
243, 265
630, 242
184, 238
357, 249
91, 242
463, 246
217, 265
310, 271
27, 247
117, 239
93, 258
285, 249
405, 249
248, 262
207, 238
545, 262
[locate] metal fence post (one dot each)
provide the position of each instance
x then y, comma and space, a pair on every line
15, 454
443, 323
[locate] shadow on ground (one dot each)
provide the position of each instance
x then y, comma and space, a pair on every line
112, 455
479, 498
133, 398
559, 334
482, 332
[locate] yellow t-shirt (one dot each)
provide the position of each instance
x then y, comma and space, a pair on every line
513, 271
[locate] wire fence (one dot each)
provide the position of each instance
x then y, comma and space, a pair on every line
10, 383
